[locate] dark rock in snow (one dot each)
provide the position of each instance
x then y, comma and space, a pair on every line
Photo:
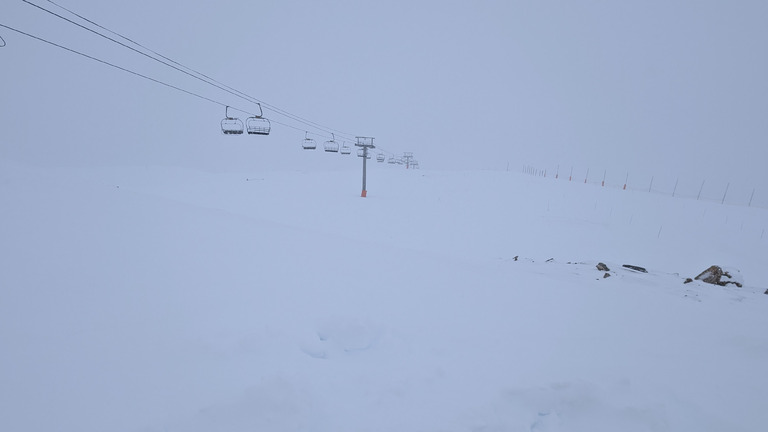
711, 275
688, 280
606, 275
635, 268
715, 275
602, 267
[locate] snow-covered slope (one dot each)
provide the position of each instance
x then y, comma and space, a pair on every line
164, 299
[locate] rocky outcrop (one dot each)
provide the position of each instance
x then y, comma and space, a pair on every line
717, 276
635, 268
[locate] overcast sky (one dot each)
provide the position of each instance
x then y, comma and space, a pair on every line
664, 88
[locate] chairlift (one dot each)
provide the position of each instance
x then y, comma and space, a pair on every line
345, 149
391, 160
309, 143
332, 146
380, 157
258, 125
361, 153
231, 125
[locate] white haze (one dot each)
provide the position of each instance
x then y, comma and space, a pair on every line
650, 89
156, 275
174, 300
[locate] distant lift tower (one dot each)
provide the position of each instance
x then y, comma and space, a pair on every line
407, 157
365, 143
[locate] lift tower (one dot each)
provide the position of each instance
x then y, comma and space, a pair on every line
408, 157
365, 143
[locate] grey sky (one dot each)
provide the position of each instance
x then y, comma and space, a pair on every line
665, 88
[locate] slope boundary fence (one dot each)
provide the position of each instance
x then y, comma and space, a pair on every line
730, 193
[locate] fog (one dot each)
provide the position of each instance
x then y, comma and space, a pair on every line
636, 90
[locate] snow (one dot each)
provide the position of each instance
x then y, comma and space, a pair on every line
177, 300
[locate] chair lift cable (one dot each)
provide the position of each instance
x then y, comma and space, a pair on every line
119, 67
195, 74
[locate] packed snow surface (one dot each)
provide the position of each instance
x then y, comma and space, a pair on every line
173, 300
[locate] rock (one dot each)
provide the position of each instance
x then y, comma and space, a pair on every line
635, 268
766, 291
716, 276
711, 275
688, 280
602, 267
607, 275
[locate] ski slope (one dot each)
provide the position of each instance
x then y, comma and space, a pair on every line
166, 299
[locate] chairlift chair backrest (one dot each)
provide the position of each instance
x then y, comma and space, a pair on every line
231, 125
258, 126
361, 153
331, 145
309, 143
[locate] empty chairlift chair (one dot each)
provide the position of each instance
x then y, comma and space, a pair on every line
380, 157
231, 125
392, 160
331, 146
309, 143
345, 149
258, 125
